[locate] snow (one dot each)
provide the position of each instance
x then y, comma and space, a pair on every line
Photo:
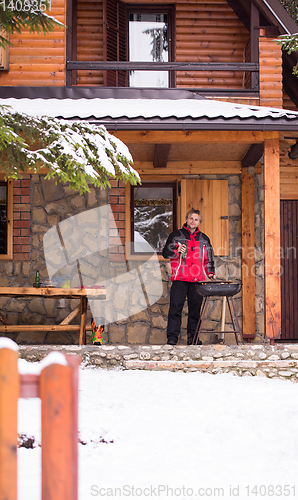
176, 435
148, 108
6, 343
53, 358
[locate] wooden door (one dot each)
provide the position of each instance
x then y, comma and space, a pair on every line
289, 278
211, 197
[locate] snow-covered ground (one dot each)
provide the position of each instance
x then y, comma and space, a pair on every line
176, 435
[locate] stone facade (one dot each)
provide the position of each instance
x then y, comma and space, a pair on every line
279, 361
85, 227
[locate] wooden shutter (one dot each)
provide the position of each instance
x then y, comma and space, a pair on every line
211, 197
115, 40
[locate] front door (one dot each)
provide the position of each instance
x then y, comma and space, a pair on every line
289, 278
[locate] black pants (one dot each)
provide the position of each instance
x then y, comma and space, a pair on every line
179, 291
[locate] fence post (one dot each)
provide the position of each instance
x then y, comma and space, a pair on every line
57, 433
9, 394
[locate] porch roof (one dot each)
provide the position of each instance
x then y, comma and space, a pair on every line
197, 113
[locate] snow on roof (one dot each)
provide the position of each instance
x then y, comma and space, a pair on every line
145, 108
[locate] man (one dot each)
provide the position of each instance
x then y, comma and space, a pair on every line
191, 257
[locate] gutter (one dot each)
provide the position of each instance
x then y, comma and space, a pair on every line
286, 127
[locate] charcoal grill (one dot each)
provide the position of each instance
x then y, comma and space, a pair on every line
225, 289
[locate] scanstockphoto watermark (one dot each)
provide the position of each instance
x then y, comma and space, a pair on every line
165, 491
26, 5
156, 491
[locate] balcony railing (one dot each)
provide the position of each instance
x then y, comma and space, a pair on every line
160, 66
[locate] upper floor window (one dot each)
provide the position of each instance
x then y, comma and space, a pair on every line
149, 41
138, 33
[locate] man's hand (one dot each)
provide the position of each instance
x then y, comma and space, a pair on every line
212, 277
181, 248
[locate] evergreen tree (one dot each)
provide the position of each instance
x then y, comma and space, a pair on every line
15, 15
77, 153
290, 42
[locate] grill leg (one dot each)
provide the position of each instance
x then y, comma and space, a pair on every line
200, 322
237, 322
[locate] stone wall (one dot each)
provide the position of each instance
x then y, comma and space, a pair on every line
131, 319
279, 361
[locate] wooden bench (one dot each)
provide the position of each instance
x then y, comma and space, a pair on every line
54, 293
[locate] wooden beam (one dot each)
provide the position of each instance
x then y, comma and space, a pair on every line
254, 41
193, 136
193, 168
240, 12
160, 66
272, 240
248, 255
69, 40
190, 167
253, 155
161, 155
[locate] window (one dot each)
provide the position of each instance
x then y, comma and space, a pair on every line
155, 209
148, 41
6, 209
153, 216
140, 33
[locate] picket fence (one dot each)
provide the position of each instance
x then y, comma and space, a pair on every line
57, 387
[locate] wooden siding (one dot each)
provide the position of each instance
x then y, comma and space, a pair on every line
36, 59
90, 40
271, 90
199, 26
209, 31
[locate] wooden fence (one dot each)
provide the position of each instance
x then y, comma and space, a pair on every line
57, 387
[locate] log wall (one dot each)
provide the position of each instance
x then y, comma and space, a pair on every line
36, 59
90, 40
270, 58
199, 27
209, 31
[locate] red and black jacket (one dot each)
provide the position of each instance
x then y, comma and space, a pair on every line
198, 263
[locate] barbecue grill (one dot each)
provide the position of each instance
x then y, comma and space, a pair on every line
219, 288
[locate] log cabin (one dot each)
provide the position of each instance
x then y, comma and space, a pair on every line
206, 101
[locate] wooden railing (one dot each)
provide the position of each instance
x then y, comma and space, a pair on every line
57, 387
160, 66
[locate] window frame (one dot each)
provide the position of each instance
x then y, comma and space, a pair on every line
168, 9
9, 204
165, 182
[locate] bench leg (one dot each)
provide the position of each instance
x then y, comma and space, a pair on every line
83, 320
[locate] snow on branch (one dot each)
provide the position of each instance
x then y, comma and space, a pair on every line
289, 43
77, 153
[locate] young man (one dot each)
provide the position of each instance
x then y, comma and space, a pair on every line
191, 257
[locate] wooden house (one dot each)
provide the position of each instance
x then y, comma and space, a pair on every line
206, 101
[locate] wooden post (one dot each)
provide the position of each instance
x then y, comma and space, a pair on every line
254, 40
57, 433
9, 393
248, 256
82, 339
272, 240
